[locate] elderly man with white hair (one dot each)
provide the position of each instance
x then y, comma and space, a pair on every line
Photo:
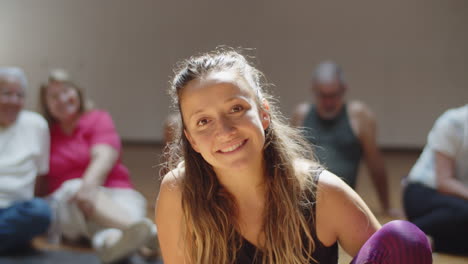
342, 133
24, 154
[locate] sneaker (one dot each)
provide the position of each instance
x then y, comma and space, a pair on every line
151, 248
153, 242
106, 238
132, 239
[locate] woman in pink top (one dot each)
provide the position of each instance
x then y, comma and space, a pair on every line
91, 186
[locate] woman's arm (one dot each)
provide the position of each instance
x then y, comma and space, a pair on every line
103, 158
168, 217
445, 176
105, 147
342, 215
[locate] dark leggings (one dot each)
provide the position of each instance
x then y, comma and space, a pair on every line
396, 242
443, 217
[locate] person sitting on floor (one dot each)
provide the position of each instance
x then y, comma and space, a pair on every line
435, 197
96, 199
24, 154
243, 188
342, 132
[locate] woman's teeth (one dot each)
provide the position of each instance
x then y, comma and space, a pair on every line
232, 148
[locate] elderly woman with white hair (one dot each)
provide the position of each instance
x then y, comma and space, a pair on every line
24, 154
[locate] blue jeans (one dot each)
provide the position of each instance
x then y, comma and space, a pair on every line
22, 221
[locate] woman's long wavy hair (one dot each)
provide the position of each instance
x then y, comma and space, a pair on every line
211, 232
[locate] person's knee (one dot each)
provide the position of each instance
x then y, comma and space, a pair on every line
38, 214
406, 235
396, 242
30, 218
402, 229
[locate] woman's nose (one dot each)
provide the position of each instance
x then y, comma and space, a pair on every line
225, 127
63, 97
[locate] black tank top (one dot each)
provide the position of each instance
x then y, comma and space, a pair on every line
248, 253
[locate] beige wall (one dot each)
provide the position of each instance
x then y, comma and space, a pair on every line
408, 60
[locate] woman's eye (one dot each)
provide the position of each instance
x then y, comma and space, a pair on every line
53, 97
202, 122
236, 109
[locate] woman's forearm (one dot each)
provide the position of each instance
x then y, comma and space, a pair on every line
447, 182
103, 158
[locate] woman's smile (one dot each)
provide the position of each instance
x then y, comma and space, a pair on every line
233, 148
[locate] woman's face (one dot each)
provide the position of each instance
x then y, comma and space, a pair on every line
223, 121
62, 101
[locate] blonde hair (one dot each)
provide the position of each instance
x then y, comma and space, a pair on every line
83, 106
209, 210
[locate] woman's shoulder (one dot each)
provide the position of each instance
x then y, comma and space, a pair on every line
328, 179
307, 170
172, 181
169, 201
332, 189
322, 177
96, 114
337, 200
338, 208
96, 118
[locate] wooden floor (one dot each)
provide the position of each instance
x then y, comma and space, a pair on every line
142, 161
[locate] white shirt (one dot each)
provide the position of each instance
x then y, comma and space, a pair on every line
24, 154
450, 137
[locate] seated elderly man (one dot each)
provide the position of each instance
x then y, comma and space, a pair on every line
343, 132
24, 154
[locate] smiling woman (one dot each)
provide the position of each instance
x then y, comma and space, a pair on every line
243, 186
87, 179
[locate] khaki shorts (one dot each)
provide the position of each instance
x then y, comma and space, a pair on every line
71, 220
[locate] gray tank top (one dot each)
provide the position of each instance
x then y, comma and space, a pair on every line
335, 144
